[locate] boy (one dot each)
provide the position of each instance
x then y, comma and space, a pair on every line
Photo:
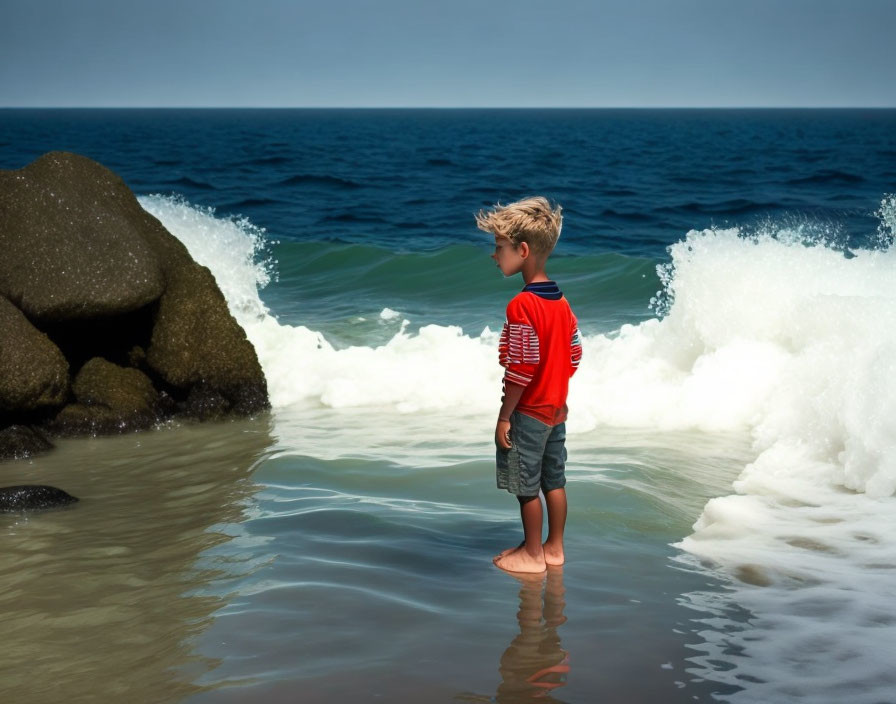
540, 351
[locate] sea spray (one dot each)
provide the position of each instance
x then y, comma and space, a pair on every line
886, 228
235, 250
813, 518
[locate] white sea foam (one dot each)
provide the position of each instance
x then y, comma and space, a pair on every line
232, 248
790, 341
411, 372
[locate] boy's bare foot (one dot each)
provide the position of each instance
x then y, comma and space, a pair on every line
507, 551
518, 560
553, 555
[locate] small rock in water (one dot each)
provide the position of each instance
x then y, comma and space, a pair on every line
20, 441
32, 496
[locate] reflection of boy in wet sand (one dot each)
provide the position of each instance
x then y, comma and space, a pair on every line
534, 663
540, 351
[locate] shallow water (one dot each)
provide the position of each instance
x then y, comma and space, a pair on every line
101, 598
214, 563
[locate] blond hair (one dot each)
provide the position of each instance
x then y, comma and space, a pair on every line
531, 220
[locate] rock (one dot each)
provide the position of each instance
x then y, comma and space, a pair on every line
37, 496
19, 441
205, 403
121, 389
33, 371
196, 342
69, 233
89, 281
110, 399
81, 419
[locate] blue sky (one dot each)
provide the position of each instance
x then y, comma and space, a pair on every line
460, 53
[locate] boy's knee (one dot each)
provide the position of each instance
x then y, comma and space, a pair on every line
552, 484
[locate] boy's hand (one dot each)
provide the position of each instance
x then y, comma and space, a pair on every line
502, 434
512, 394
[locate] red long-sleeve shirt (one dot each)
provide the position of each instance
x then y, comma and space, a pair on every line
540, 350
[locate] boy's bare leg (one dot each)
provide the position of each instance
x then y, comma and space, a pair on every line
528, 557
553, 546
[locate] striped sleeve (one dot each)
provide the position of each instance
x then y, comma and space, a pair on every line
518, 349
575, 349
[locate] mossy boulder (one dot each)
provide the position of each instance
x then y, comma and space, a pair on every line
89, 281
69, 233
126, 390
109, 399
33, 371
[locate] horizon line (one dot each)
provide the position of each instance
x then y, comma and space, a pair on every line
447, 107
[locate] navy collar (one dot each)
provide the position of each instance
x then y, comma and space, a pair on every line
545, 289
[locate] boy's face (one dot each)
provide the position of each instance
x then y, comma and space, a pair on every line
508, 257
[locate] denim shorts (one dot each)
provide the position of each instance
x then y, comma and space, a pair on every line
536, 459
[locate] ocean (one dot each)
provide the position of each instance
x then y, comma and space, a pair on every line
732, 430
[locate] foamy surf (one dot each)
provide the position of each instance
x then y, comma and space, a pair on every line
787, 340
794, 341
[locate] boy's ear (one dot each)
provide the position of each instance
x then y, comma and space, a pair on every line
524, 249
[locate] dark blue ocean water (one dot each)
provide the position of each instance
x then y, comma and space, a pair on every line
630, 181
